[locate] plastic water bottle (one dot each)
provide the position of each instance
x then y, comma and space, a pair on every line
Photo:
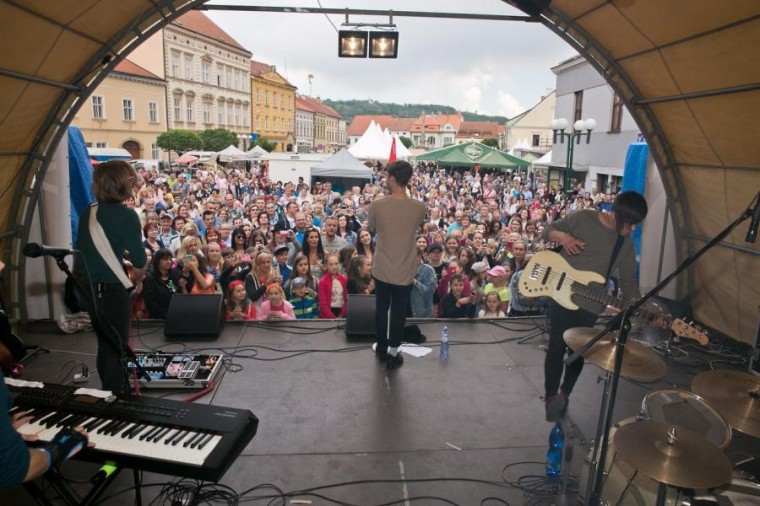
445, 342
554, 455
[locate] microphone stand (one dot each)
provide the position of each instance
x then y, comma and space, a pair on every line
114, 340
621, 321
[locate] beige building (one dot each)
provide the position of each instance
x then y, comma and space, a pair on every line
531, 128
273, 109
329, 130
127, 110
206, 72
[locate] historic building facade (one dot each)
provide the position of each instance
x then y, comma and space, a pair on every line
273, 106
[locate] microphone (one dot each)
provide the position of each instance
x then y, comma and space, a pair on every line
34, 250
752, 231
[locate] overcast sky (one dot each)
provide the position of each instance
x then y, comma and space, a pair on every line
490, 67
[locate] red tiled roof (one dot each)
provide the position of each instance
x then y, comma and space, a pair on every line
130, 67
393, 123
198, 22
304, 105
321, 108
259, 68
435, 123
478, 129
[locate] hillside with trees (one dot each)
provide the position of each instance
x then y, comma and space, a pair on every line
350, 108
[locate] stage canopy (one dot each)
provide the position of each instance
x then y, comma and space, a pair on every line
688, 70
470, 154
342, 164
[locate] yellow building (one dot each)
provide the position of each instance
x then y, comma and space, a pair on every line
127, 110
273, 111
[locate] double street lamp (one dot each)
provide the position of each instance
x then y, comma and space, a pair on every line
580, 129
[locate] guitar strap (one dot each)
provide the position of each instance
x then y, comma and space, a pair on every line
615, 251
101, 243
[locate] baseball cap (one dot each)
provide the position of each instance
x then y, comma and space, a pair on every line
280, 248
435, 246
479, 267
497, 271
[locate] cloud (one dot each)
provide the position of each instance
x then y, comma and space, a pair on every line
472, 96
508, 104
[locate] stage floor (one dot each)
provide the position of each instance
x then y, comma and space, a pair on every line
331, 415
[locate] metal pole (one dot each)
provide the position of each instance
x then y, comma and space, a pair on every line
569, 168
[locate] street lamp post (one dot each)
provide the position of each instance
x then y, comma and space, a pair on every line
559, 126
244, 138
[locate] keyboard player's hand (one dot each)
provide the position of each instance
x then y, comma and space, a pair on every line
19, 420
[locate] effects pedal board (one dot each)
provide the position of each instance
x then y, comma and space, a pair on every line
178, 370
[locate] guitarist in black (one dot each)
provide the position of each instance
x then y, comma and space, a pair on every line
591, 241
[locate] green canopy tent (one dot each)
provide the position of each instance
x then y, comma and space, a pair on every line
471, 154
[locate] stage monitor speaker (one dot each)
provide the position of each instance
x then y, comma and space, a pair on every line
194, 317
360, 317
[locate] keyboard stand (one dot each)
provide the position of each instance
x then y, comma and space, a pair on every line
59, 484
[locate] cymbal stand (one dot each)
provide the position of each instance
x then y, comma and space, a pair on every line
563, 499
622, 322
598, 437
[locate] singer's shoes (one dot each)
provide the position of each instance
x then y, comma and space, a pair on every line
556, 407
394, 361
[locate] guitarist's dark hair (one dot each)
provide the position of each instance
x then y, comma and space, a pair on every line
630, 208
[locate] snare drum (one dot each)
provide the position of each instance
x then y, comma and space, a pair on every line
624, 485
689, 411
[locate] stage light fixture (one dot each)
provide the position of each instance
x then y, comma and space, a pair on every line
383, 44
352, 44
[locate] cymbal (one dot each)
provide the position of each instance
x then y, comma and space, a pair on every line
733, 394
687, 460
639, 362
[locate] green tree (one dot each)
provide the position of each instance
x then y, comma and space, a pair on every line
216, 139
406, 141
179, 141
265, 144
491, 141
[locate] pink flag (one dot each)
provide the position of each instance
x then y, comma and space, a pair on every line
392, 157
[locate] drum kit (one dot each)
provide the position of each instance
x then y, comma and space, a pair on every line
677, 441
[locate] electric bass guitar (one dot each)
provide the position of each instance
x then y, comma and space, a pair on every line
547, 274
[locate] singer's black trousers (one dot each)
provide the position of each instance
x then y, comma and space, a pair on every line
111, 324
560, 320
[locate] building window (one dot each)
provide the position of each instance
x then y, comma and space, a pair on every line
617, 114
175, 64
219, 74
246, 120
258, 122
266, 122
101, 144
274, 99
237, 114
258, 100
153, 112
205, 71
578, 107
220, 111
229, 113
127, 107
282, 103
98, 111
155, 151
190, 101
206, 112
177, 108
230, 82
189, 66
266, 97
536, 140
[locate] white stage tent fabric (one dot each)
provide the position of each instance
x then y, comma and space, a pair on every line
371, 145
342, 165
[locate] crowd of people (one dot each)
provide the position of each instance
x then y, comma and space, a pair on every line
290, 251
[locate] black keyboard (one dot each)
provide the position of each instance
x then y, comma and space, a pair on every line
157, 435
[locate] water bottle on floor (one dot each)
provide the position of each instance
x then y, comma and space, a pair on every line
554, 455
445, 342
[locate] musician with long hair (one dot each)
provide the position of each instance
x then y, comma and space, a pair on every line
588, 240
113, 183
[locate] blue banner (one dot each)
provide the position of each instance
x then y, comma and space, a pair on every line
80, 179
635, 179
